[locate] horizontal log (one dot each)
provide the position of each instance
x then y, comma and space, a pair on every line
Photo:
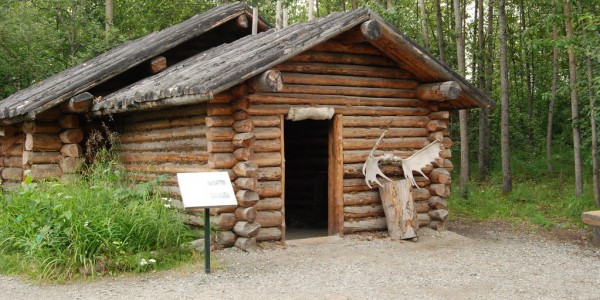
219, 121
221, 160
219, 110
371, 224
439, 189
269, 189
351, 81
243, 140
267, 159
356, 132
174, 112
267, 81
398, 121
440, 175
344, 69
439, 115
15, 174
243, 154
223, 97
422, 206
269, 218
39, 157
423, 219
339, 47
246, 183
78, 104
224, 221
422, 194
438, 214
219, 147
241, 115
164, 123
69, 121
243, 126
157, 64
245, 243
49, 114
267, 133
175, 145
269, 173
247, 214
269, 204
437, 202
12, 162
360, 156
241, 103
45, 171
246, 198
437, 125
71, 136
72, 150
225, 238
197, 157
390, 143
354, 170
246, 169
40, 127
273, 109
43, 142
337, 96
266, 121
216, 134
269, 234
184, 132
437, 225
167, 168
362, 198
246, 229
353, 212
70, 165
14, 150
193, 220
356, 185
267, 145
313, 57
439, 91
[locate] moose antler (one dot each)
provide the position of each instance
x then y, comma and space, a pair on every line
415, 162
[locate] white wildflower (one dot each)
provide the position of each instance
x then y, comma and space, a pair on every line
152, 261
167, 205
86, 224
143, 262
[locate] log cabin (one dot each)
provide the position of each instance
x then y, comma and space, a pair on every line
290, 114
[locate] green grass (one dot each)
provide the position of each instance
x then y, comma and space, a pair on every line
102, 224
541, 199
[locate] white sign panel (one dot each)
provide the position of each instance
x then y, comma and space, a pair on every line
206, 189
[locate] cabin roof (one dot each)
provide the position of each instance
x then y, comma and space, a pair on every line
201, 77
48, 93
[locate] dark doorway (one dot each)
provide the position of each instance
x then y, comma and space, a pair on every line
306, 165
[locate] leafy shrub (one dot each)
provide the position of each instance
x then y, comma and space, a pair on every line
100, 224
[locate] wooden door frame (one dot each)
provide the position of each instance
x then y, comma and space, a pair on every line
335, 175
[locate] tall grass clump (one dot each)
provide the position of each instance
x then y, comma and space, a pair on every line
99, 224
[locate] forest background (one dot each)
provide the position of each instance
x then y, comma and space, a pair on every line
532, 158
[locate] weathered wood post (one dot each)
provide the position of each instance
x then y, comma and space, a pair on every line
399, 209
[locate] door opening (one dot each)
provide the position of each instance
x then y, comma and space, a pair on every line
306, 170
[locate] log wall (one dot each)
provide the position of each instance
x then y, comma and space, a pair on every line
373, 95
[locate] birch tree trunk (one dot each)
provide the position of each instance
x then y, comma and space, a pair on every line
440, 30
590, 77
552, 101
424, 30
462, 114
574, 104
483, 157
504, 133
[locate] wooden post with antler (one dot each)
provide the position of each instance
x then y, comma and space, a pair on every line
396, 196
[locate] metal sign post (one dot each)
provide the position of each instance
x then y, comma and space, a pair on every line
206, 190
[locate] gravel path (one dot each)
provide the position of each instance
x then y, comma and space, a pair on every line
441, 265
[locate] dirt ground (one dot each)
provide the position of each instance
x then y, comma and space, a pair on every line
471, 260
